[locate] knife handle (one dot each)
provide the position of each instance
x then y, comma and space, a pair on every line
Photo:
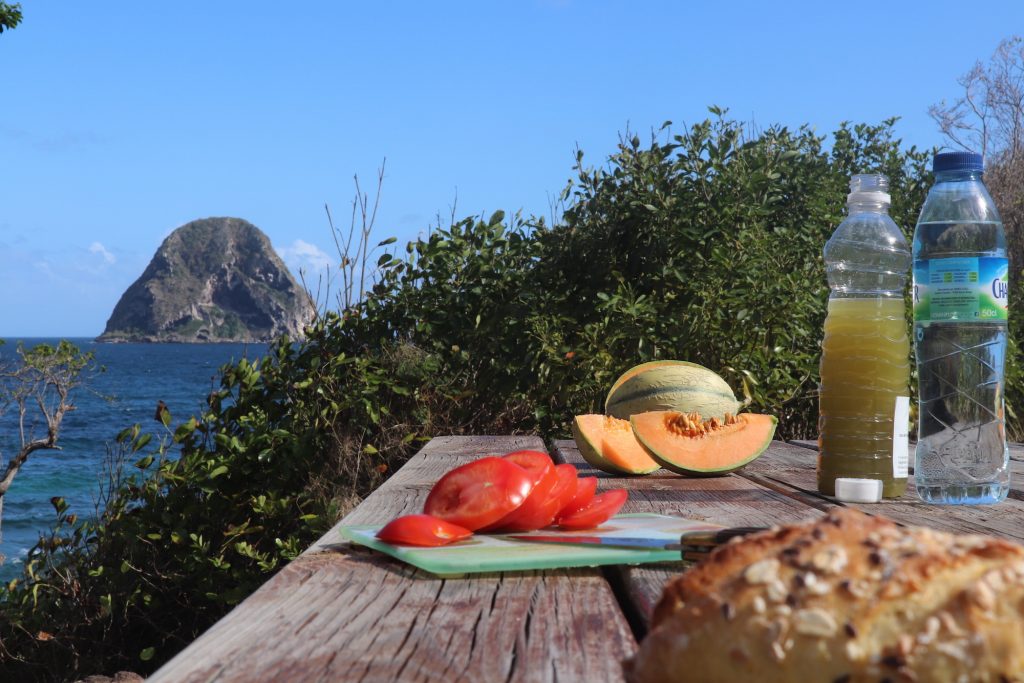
704, 541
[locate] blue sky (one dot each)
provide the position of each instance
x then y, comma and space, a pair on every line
120, 121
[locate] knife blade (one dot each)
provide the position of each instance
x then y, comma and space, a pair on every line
691, 542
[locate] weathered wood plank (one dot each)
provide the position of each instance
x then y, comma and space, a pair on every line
794, 466
347, 613
784, 470
1016, 449
356, 616
1016, 464
730, 500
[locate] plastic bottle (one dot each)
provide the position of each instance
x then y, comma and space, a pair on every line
960, 322
864, 399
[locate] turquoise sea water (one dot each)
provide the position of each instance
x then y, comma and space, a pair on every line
136, 376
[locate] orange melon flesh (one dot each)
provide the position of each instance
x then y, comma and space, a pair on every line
609, 444
720, 450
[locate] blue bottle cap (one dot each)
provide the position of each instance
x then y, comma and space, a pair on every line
957, 161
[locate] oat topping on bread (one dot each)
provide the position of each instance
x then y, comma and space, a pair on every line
849, 597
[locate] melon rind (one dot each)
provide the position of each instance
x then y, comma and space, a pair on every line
671, 385
591, 452
644, 367
665, 457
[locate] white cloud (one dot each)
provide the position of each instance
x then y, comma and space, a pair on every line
44, 267
97, 248
306, 257
66, 290
312, 267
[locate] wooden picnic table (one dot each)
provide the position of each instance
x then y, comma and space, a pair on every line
341, 612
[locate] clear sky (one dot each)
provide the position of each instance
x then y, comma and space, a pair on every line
122, 120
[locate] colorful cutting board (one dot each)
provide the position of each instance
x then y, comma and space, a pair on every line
496, 553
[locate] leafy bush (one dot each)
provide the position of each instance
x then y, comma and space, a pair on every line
708, 248
703, 245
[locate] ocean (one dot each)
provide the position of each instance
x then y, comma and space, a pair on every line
135, 378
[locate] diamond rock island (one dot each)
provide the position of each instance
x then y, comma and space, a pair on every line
212, 280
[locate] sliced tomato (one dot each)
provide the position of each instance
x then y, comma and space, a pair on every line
564, 491
536, 462
586, 487
422, 530
597, 512
532, 513
561, 494
479, 493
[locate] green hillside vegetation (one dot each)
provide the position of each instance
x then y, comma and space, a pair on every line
703, 245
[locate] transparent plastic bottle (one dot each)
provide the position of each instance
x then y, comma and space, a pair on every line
960, 323
865, 353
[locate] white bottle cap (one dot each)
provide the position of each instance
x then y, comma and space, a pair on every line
859, 490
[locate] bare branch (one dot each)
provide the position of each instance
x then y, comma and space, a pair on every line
15, 463
989, 116
354, 255
42, 380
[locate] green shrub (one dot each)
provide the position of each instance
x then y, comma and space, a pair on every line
707, 248
282, 451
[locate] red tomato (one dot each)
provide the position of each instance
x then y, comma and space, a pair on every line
586, 487
479, 493
598, 511
422, 530
561, 494
532, 514
531, 461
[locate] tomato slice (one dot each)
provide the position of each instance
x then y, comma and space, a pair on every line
479, 493
586, 487
422, 530
563, 492
598, 511
559, 497
532, 514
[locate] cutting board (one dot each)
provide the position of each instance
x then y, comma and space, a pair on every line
497, 553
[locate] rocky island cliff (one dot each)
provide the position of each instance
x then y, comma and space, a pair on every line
212, 280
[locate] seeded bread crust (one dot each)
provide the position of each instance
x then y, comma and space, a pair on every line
847, 598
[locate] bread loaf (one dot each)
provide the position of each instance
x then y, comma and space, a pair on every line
847, 598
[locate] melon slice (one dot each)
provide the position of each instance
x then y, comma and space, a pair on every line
687, 444
609, 445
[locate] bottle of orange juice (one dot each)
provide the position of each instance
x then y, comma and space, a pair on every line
864, 404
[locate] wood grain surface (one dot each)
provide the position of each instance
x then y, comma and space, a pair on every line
794, 466
340, 612
778, 487
730, 501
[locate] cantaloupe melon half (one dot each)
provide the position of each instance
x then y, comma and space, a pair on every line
687, 444
609, 445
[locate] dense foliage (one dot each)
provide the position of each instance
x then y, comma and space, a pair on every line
703, 245
10, 15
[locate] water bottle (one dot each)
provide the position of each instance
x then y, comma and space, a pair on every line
960, 322
864, 398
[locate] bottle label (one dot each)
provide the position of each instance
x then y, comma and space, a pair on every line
969, 289
901, 438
